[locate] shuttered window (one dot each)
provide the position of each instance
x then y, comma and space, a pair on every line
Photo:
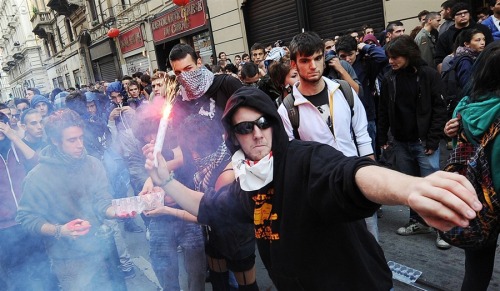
107, 69
267, 21
331, 17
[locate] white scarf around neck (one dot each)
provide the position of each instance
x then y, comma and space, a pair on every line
252, 175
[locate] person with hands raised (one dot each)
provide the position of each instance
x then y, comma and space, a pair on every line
331, 192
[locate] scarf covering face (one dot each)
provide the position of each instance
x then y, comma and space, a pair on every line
252, 175
195, 83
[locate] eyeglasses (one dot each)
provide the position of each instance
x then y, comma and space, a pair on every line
247, 127
462, 13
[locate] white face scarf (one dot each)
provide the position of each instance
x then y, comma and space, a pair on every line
252, 175
195, 83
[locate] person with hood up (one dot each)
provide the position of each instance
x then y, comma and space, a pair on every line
42, 104
318, 202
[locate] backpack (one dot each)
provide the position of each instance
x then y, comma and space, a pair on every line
471, 161
452, 89
293, 113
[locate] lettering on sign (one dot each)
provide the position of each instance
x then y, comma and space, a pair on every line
61, 69
179, 20
131, 40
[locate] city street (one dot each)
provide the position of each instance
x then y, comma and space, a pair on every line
441, 269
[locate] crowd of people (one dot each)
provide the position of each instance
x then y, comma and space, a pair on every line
276, 151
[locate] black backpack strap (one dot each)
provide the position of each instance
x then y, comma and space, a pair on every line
349, 96
293, 114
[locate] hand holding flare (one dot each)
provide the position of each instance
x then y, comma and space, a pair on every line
170, 92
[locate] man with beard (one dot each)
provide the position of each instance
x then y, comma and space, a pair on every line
202, 93
324, 113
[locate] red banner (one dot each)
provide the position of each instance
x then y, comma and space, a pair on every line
179, 20
131, 40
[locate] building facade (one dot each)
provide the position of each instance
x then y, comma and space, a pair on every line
22, 58
65, 43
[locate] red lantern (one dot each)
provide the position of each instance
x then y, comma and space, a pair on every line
113, 32
180, 2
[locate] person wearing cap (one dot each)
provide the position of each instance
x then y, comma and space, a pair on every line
22, 257
41, 104
461, 13
425, 40
317, 205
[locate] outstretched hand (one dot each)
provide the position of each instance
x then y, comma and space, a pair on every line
444, 200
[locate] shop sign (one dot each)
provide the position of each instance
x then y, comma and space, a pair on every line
61, 69
179, 20
131, 40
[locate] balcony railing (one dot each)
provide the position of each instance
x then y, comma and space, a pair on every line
42, 23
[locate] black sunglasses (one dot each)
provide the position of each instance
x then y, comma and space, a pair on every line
247, 127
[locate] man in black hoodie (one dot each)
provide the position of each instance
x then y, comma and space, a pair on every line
308, 196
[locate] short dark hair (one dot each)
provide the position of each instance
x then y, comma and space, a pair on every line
492, 3
77, 102
306, 44
448, 4
221, 54
27, 112
34, 90
137, 75
404, 46
60, 120
346, 43
249, 70
422, 13
431, 15
390, 26
232, 68
134, 83
127, 77
180, 51
21, 100
244, 55
466, 36
258, 46
3, 106
146, 79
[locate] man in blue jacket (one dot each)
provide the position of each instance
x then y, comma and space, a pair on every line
493, 22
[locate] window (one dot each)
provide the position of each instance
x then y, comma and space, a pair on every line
78, 77
93, 10
68, 80
60, 82
69, 30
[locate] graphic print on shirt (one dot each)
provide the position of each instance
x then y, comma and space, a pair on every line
324, 110
264, 216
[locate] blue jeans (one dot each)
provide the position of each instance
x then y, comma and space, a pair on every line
85, 273
412, 160
117, 172
167, 233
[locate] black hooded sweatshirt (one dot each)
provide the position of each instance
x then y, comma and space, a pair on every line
313, 237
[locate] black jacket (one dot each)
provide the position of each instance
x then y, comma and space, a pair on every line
445, 41
313, 212
430, 111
